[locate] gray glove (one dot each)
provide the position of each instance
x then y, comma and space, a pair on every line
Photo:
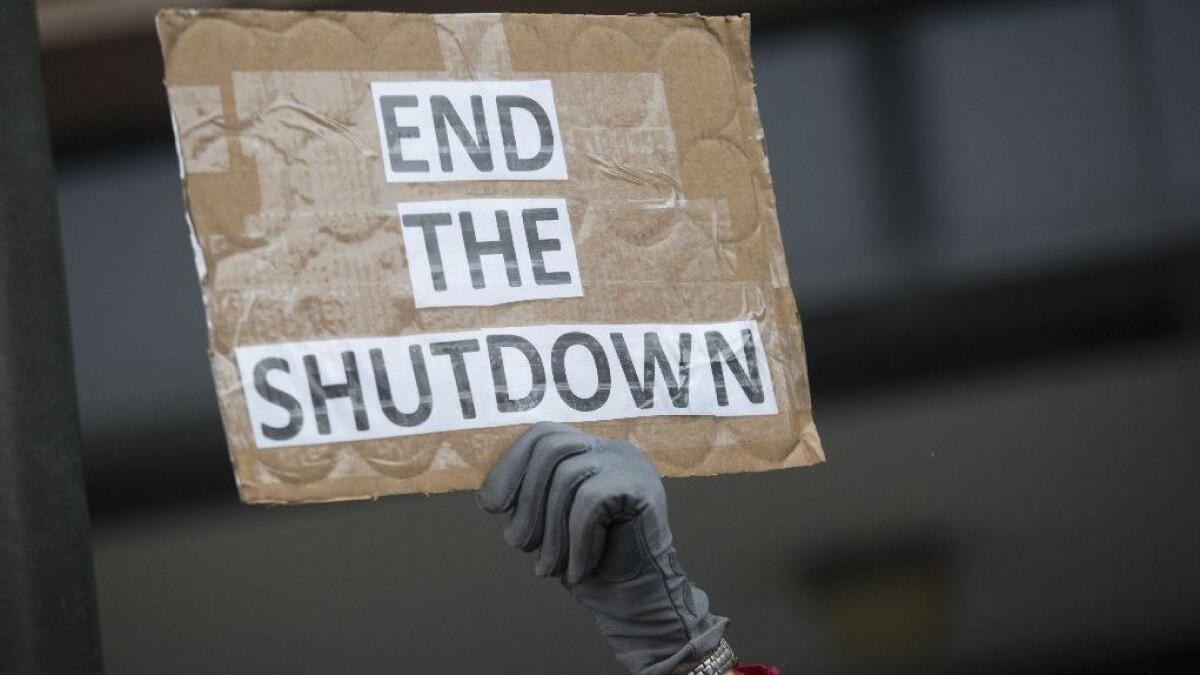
596, 512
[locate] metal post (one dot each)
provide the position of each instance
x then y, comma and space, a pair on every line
48, 621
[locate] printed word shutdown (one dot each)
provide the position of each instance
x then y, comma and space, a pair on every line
345, 390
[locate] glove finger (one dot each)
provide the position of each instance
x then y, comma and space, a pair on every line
500, 488
587, 525
571, 475
525, 526
622, 556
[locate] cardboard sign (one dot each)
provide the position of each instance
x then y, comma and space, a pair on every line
417, 234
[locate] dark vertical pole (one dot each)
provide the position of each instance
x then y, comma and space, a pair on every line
1137, 59
896, 93
48, 620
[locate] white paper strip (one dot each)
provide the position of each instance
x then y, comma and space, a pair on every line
489, 251
468, 130
331, 391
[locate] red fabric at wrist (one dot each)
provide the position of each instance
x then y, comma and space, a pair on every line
756, 670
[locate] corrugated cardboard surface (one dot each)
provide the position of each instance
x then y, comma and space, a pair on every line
298, 239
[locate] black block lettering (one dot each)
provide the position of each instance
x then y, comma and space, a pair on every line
395, 134
504, 400
558, 359
455, 350
504, 106
477, 249
322, 392
537, 246
278, 397
384, 387
428, 222
479, 151
747, 378
643, 392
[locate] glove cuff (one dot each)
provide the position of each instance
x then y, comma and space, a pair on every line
711, 632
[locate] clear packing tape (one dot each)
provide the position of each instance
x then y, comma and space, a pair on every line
670, 198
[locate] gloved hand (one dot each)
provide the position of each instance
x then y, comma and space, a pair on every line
595, 511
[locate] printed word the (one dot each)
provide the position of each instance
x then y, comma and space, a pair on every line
489, 251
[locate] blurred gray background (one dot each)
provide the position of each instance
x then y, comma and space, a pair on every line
992, 215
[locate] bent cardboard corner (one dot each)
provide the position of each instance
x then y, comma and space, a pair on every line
416, 234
